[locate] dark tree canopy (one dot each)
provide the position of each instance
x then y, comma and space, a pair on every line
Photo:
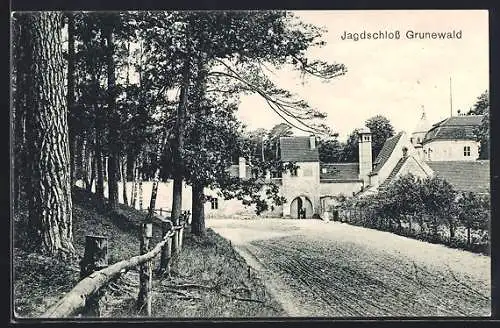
482, 107
381, 129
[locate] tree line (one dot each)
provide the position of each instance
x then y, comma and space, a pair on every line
429, 204
148, 95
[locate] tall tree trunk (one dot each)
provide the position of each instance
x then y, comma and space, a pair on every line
99, 188
139, 183
124, 181
93, 169
84, 162
73, 149
112, 119
131, 160
135, 180
21, 65
80, 157
70, 95
178, 165
198, 209
105, 164
50, 208
154, 189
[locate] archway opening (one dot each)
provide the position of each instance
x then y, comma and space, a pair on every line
301, 207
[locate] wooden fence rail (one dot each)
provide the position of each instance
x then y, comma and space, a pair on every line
84, 294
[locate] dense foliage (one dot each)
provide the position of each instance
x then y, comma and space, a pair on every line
331, 150
482, 107
428, 209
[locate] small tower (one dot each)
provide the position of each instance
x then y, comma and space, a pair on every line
418, 135
365, 154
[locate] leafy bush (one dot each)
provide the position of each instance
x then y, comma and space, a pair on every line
440, 213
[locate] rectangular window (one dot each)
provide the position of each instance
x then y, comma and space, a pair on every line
293, 172
214, 203
467, 151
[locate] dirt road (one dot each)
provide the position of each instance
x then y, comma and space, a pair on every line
317, 268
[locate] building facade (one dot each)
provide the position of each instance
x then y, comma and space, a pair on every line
447, 149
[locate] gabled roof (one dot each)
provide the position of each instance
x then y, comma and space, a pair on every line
298, 149
454, 128
339, 172
394, 172
386, 151
464, 175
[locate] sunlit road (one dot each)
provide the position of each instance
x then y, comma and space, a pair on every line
317, 268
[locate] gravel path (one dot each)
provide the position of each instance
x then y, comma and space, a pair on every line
317, 268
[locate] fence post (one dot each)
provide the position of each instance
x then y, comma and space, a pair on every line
94, 259
166, 251
175, 242
181, 233
146, 274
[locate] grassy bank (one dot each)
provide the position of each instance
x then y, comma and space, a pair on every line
208, 280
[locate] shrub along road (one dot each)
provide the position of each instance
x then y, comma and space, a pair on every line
317, 268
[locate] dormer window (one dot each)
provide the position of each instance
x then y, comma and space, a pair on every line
366, 138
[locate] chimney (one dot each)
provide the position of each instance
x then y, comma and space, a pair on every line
312, 142
365, 154
242, 168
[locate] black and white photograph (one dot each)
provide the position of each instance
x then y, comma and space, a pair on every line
246, 164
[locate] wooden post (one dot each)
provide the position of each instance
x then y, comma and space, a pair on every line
166, 251
161, 212
181, 233
175, 243
94, 259
146, 274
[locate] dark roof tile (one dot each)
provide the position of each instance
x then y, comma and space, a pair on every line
386, 151
464, 175
339, 171
394, 172
297, 149
455, 128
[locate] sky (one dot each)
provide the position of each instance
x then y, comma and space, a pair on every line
393, 78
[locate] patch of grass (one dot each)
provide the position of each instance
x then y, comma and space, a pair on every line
210, 262
39, 280
209, 280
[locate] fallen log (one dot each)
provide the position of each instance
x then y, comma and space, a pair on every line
75, 300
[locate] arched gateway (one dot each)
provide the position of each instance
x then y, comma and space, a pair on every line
300, 203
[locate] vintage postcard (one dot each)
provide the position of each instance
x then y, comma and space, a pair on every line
250, 164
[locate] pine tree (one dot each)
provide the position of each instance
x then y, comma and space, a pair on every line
50, 204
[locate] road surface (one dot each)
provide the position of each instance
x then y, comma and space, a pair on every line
317, 268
